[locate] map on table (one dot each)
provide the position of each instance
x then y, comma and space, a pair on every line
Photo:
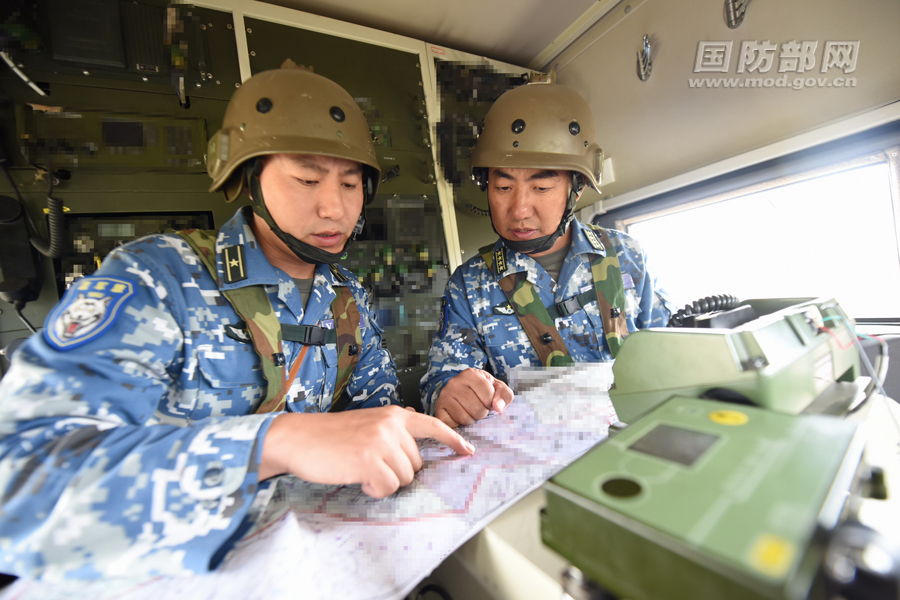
325, 542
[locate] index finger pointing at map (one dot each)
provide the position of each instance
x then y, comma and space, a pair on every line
423, 426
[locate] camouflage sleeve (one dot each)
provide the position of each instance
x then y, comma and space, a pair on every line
99, 477
457, 345
656, 306
374, 381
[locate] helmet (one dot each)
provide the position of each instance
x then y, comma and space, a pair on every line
289, 111
540, 126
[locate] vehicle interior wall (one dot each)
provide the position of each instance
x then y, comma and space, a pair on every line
653, 130
124, 128
663, 127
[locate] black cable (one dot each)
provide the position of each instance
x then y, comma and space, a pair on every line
14, 185
19, 306
708, 304
54, 247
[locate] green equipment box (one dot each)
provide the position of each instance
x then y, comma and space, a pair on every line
794, 355
704, 500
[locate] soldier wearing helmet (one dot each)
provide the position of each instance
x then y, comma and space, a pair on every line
551, 291
140, 426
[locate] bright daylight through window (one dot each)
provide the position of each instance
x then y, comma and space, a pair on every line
833, 235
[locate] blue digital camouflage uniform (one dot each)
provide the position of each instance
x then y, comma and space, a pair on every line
134, 451
478, 330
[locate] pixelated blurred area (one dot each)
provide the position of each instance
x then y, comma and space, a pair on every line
400, 259
103, 140
91, 237
466, 93
381, 131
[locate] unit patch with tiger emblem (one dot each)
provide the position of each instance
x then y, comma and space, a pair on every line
90, 307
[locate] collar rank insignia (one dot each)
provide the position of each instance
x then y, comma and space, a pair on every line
500, 259
336, 272
592, 238
233, 261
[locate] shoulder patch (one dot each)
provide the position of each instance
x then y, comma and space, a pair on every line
87, 311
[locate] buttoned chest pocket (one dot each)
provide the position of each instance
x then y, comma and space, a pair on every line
230, 380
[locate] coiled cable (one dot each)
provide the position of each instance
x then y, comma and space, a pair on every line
701, 306
54, 247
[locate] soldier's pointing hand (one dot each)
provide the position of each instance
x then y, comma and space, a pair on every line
375, 447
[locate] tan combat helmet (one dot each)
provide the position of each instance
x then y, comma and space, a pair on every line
539, 126
293, 111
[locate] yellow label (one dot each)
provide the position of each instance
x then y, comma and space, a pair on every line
772, 555
728, 417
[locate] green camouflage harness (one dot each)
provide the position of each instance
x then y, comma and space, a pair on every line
253, 306
538, 320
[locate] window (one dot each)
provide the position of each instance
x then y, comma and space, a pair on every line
829, 232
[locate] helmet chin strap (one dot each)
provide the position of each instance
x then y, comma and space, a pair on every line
546, 242
304, 251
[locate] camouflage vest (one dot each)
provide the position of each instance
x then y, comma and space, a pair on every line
252, 304
538, 320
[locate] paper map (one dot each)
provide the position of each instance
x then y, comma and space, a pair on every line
327, 542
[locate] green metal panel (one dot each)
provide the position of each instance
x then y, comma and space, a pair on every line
115, 140
401, 255
166, 173
211, 71
733, 519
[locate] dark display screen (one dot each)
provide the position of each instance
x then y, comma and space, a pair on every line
676, 444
